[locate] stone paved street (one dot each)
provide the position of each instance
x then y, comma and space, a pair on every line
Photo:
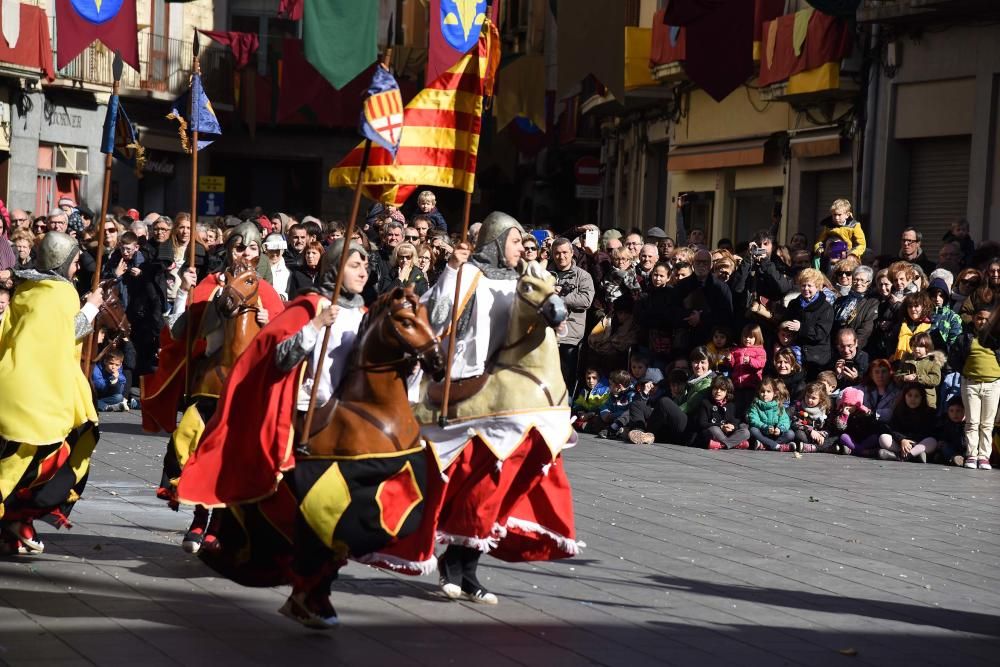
692, 557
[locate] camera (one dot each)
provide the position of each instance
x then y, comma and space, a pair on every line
756, 252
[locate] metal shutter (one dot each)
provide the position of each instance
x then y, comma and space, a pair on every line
830, 186
939, 187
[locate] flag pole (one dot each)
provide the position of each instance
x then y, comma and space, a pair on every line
189, 333
455, 310
344, 255
95, 283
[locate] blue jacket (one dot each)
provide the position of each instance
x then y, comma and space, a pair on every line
102, 382
592, 400
765, 414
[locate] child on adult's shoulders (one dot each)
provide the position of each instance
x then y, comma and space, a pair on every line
590, 399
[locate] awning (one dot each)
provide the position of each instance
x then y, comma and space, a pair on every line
815, 145
718, 155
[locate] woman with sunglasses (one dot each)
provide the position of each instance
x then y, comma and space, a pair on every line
426, 262
529, 250
966, 282
406, 273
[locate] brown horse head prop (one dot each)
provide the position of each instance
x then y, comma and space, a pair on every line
397, 333
240, 292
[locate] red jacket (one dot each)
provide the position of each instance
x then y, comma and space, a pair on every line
748, 366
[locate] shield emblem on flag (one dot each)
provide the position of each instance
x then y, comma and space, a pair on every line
384, 114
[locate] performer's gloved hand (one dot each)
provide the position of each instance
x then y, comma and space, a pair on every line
263, 317
326, 317
461, 255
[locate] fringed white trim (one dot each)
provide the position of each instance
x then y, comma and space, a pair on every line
445, 478
571, 547
498, 531
545, 469
499, 466
484, 544
397, 564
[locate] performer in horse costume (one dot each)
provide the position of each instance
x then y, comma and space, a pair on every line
358, 481
48, 425
227, 310
501, 488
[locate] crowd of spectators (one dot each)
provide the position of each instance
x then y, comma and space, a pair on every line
821, 346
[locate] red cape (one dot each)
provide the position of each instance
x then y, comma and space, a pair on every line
161, 391
248, 443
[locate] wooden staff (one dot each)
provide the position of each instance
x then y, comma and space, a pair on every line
455, 313
455, 310
344, 254
109, 158
193, 119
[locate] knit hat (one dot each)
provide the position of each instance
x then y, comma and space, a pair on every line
944, 275
939, 284
855, 398
653, 375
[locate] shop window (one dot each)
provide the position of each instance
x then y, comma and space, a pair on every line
753, 210
61, 173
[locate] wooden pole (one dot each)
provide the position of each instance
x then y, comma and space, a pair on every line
455, 313
189, 333
344, 255
109, 159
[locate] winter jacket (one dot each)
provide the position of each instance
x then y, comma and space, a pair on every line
946, 325
816, 324
881, 406
850, 233
748, 367
711, 414
795, 383
697, 390
712, 297
592, 400
905, 332
806, 418
437, 219
928, 371
766, 414
861, 317
616, 406
910, 424
577, 292
950, 432
103, 387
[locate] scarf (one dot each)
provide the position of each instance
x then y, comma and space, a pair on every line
845, 307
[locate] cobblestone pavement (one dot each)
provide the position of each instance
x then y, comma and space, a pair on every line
692, 557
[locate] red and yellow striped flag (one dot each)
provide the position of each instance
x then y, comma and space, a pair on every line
441, 140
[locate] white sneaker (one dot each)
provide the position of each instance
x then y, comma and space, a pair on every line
451, 591
984, 464
124, 405
970, 463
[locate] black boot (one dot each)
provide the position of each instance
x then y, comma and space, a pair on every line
471, 588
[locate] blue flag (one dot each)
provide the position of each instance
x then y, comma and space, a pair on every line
382, 111
204, 119
120, 138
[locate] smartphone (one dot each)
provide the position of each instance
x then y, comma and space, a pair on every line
590, 239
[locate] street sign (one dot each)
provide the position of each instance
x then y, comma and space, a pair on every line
211, 203
211, 184
587, 171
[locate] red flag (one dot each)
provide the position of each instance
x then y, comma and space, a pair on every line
80, 22
291, 9
242, 44
454, 29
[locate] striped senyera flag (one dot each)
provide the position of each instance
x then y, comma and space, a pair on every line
441, 140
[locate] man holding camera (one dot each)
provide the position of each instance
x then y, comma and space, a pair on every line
850, 364
576, 288
757, 278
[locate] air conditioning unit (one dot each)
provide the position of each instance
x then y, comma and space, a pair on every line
71, 160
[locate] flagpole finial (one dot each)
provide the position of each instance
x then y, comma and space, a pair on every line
117, 66
196, 48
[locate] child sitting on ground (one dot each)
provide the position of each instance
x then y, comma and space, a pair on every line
951, 433
809, 418
718, 421
617, 403
647, 392
769, 423
109, 383
829, 379
855, 429
912, 422
589, 399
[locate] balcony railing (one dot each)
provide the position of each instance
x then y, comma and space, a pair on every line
164, 66
927, 10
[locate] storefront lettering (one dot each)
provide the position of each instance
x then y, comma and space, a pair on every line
159, 166
66, 120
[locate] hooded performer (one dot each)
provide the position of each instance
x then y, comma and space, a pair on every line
162, 391
298, 514
513, 448
45, 446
